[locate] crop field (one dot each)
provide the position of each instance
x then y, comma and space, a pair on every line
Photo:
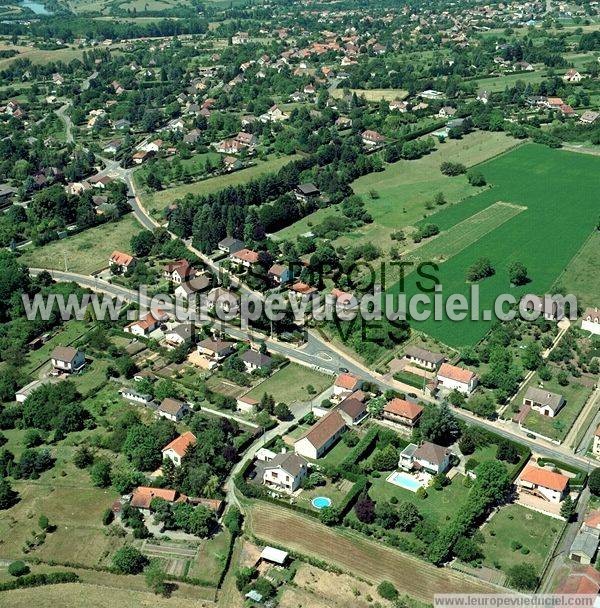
364, 558
85, 252
581, 276
373, 94
545, 237
465, 233
155, 202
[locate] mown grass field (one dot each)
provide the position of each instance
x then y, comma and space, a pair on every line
39, 56
558, 219
291, 384
362, 557
581, 276
404, 188
373, 94
499, 83
534, 531
155, 202
85, 252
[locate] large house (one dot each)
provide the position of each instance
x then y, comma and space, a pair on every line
457, 378
428, 456
215, 349
172, 409
572, 75
402, 412
284, 472
372, 139
321, 436
230, 245
543, 483
245, 258
121, 262
352, 410
67, 359
176, 450
144, 326
305, 192
179, 272
142, 496
424, 358
544, 402
591, 320
254, 360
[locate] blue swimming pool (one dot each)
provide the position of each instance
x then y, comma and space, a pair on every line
404, 480
320, 502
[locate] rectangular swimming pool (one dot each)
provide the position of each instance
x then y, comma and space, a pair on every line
404, 480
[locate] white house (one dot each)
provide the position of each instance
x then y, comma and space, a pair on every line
591, 320
572, 76
424, 358
345, 384
429, 456
284, 472
67, 359
457, 378
121, 262
176, 450
147, 324
544, 402
246, 404
543, 483
255, 361
135, 396
321, 436
172, 409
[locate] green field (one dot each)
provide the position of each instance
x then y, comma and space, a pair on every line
291, 383
157, 201
405, 187
85, 252
373, 94
511, 523
499, 83
581, 276
545, 237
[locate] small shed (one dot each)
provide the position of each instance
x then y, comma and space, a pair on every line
275, 556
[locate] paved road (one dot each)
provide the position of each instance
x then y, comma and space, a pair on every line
62, 114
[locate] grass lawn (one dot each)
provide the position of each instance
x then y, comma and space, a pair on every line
336, 454
575, 395
581, 276
67, 334
85, 252
540, 179
405, 187
92, 377
499, 83
39, 56
334, 491
439, 506
225, 387
290, 384
155, 202
373, 94
533, 530
211, 558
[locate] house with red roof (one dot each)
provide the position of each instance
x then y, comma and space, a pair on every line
584, 581
144, 326
543, 483
121, 262
402, 412
452, 378
245, 258
345, 384
176, 450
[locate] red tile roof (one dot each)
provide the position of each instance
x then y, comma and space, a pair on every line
180, 444
347, 381
246, 255
143, 495
120, 258
319, 434
457, 374
401, 407
546, 479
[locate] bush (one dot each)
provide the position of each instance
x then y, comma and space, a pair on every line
18, 568
476, 178
36, 580
452, 169
129, 560
387, 591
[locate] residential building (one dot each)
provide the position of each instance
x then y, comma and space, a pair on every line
215, 348
180, 334
457, 378
230, 245
306, 192
301, 290
172, 409
402, 412
176, 450
572, 75
352, 410
543, 483
372, 139
254, 360
591, 320
428, 456
284, 472
246, 404
132, 395
589, 117
584, 547
585, 581
345, 384
447, 112
121, 262
544, 402
245, 258
188, 289
179, 271
144, 326
279, 274
142, 496
321, 436
67, 359
424, 358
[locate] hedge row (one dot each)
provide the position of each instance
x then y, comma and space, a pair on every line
37, 580
360, 449
361, 486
